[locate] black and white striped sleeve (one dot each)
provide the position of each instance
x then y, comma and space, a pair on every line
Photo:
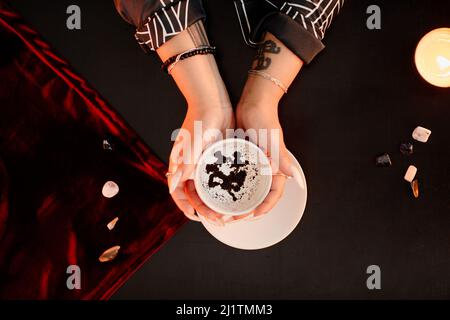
157, 21
299, 24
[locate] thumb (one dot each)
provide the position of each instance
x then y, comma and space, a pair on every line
281, 161
188, 172
285, 163
288, 167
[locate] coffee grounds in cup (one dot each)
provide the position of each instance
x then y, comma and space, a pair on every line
234, 181
231, 177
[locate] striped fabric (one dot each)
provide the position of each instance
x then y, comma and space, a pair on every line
163, 24
314, 16
157, 21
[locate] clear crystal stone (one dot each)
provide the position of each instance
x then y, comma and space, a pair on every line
421, 134
112, 223
110, 189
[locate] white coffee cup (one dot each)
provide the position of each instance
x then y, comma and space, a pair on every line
224, 188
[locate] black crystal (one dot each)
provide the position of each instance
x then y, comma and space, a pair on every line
406, 148
383, 160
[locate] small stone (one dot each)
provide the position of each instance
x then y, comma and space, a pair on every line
112, 223
410, 173
383, 160
421, 134
406, 148
109, 254
415, 188
107, 145
110, 189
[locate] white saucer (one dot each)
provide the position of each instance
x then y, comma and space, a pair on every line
270, 228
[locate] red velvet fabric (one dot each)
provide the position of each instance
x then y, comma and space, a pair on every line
52, 169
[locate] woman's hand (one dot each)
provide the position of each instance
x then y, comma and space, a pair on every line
199, 81
209, 109
263, 118
258, 110
214, 119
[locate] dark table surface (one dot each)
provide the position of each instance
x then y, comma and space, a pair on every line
362, 96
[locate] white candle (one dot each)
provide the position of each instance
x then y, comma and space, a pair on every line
433, 57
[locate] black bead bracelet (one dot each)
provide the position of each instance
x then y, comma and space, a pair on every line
187, 54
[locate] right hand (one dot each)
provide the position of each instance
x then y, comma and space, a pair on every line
215, 117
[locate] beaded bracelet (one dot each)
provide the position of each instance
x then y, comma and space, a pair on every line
170, 63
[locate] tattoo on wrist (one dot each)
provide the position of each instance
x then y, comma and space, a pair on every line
261, 60
198, 34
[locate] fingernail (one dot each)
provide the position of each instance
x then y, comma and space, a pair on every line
228, 219
297, 176
174, 181
190, 213
257, 217
232, 220
249, 214
217, 222
194, 218
249, 217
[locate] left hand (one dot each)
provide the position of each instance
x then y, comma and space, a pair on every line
265, 116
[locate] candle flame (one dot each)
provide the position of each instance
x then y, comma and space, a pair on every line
443, 62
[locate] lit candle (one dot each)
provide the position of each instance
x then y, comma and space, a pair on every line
433, 57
